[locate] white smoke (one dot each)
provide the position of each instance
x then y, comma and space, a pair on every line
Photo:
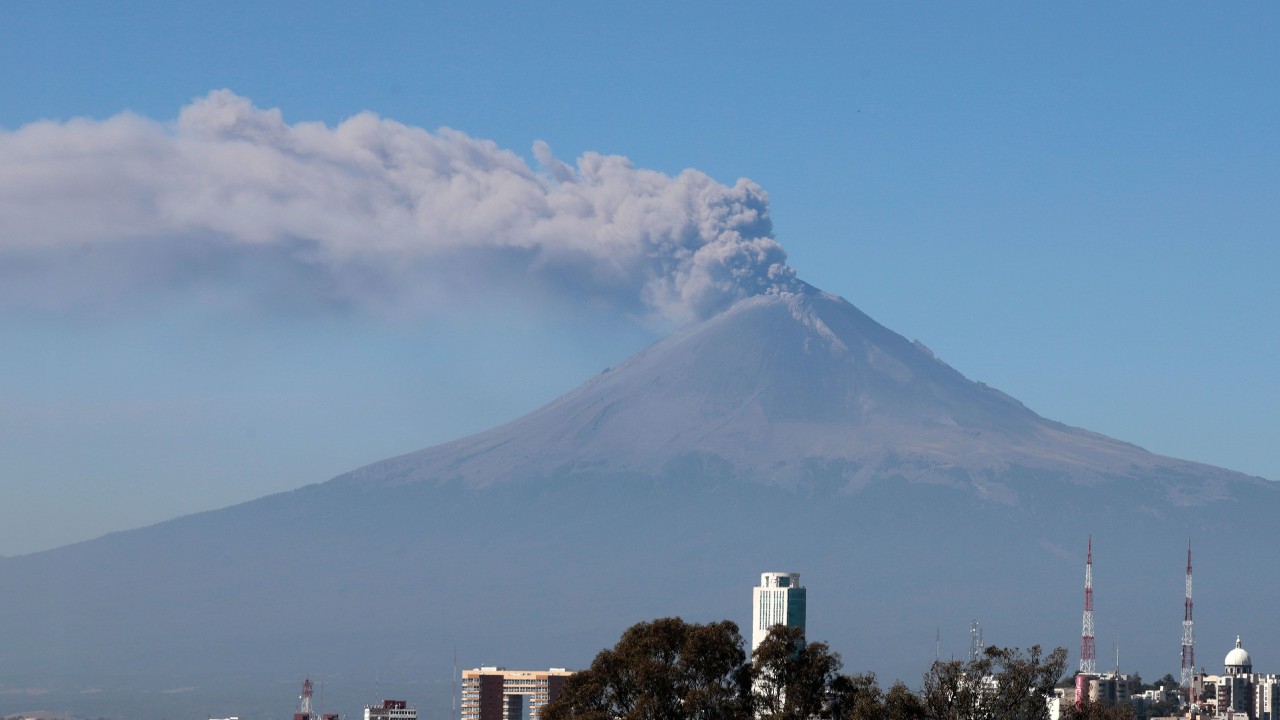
371, 212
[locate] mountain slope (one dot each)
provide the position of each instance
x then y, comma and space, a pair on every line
791, 432
782, 390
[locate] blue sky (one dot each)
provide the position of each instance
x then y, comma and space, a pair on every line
1075, 204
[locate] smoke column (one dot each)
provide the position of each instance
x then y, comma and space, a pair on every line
369, 213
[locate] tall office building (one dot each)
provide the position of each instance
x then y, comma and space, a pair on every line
779, 600
494, 693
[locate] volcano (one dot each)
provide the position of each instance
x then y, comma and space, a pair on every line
789, 390
790, 432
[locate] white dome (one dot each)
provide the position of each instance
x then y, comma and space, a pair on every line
1238, 657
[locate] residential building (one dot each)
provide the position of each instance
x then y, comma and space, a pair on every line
1266, 697
495, 693
1105, 688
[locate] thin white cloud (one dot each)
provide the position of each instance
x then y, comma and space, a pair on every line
371, 212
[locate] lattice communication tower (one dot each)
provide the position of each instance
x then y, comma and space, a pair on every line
1188, 633
1088, 662
976, 645
304, 700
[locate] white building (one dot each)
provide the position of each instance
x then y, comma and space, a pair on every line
1058, 703
390, 710
1266, 697
1235, 686
1241, 693
778, 600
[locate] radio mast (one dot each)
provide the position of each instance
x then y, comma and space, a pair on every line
1188, 635
1087, 659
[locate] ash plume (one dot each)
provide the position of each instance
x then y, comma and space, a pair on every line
230, 200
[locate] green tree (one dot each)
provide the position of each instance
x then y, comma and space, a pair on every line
795, 680
1003, 684
1023, 682
953, 689
854, 697
672, 670
902, 704
666, 669
792, 679
1169, 682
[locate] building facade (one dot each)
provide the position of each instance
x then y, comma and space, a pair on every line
1108, 688
494, 693
1266, 697
390, 710
778, 600
1239, 692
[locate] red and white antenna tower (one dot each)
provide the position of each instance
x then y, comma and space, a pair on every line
304, 701
1188, 633
1088, 663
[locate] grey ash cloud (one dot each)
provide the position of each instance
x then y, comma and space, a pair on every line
233, 199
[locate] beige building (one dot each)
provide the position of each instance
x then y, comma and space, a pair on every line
494, 693
1103, 688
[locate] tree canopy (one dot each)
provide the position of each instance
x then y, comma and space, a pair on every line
668, 669
1002, 684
